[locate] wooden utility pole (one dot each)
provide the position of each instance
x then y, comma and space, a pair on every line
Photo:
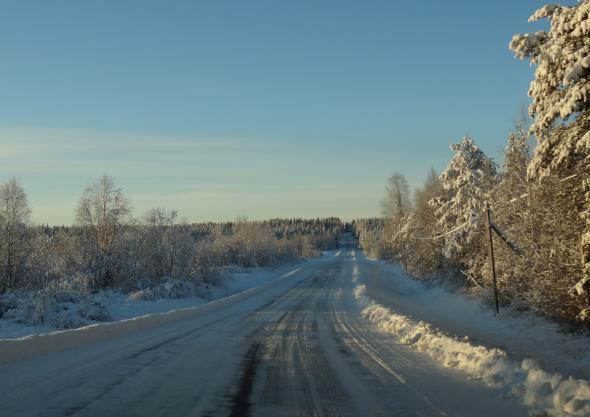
489, 225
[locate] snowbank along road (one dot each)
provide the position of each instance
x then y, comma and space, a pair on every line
296, 347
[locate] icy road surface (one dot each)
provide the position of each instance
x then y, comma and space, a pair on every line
298, 347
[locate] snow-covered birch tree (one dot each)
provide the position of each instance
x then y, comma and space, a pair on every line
396, 207
14, 215
424, 255
102, 212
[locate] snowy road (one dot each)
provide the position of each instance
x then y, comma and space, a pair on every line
297, 348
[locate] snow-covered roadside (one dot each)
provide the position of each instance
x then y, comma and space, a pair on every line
119, 306
232, 280
546, 393
41, 344
521, 334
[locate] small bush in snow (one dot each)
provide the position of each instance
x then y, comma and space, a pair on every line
168, 288
62, 309
79, 282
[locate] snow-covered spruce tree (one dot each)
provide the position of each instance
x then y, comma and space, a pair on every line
561, 108
513, 178
511, 211
466, 183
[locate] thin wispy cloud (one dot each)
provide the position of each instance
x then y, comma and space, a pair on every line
27, 141
204, 178
72, 152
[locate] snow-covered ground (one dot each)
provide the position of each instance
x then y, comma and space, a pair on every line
339, 335
232, 280
119, 306
295, 345
524, 355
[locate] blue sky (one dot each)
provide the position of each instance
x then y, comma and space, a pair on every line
257, 108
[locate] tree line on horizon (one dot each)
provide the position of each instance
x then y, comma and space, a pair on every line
107, 248
540, 198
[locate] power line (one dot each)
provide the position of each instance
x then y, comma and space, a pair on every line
526, 194
456, 229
